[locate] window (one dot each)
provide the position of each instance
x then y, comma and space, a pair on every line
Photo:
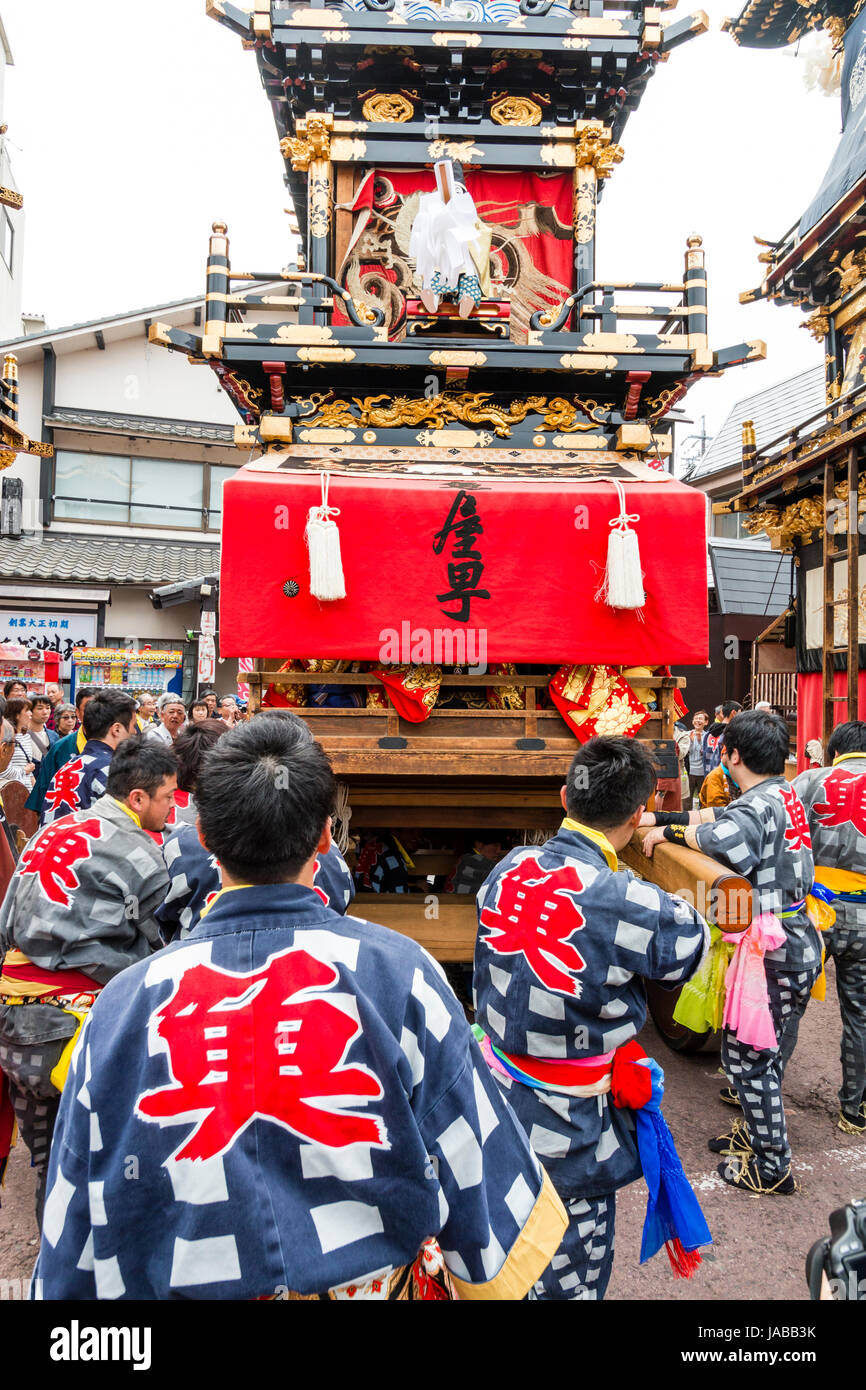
139, 491
730, 527
7, 240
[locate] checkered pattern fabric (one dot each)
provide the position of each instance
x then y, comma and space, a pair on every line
563, 948
466, 284
581, 1268
764, 835
78, 783
194, 875
35, 1100
286, 1099
835, 800
756, 1074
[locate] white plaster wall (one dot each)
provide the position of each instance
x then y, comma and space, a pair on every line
135, 377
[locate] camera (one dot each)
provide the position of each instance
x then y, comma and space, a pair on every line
836, 1264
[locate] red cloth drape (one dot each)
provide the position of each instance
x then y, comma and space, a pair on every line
809, 687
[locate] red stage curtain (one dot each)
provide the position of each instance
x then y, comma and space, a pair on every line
532, 253
809, 707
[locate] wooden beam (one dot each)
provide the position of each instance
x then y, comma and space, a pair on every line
721, 896
449, 936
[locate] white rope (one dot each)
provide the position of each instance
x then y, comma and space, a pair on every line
341, 818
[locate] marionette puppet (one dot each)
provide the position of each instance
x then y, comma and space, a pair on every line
450, 244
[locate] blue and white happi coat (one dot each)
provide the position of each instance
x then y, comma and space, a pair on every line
194, 876
78, 783
564, 944
764, 835
288, 1099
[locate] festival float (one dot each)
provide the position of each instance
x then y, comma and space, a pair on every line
449, 549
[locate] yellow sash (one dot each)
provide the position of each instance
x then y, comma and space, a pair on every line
823, 915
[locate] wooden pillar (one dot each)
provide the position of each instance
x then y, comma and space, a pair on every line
9, 384
594, 159
216, 310
829, 639
695, 281
853, 584
309, 152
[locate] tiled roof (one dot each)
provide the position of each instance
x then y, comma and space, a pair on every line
153, 426
90, 558
773, 410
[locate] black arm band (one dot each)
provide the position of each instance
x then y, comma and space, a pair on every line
671, 817
676, 833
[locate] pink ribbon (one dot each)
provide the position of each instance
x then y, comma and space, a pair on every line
747, 1005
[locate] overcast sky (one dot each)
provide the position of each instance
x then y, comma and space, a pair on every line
134, 126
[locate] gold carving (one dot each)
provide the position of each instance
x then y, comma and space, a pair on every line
585, 186
595, 151
620, 342
313, 141
598, 28
386, 412
510, 110
450, 358
364, 311
7, 457
818, 325
462, 150
319, 186
307, 17
748, 434
10, 198
592, 441
570, 42
388, 106
851, 270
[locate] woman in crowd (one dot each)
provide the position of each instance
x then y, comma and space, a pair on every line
65, 720
23, 761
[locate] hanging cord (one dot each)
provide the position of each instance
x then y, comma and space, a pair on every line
342, 816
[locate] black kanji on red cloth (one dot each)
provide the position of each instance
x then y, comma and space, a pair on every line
466, 565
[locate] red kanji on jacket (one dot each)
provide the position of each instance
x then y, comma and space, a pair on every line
265, 1045
321, 892
534, 915
56, 851
797, 834
844, 800
64, 786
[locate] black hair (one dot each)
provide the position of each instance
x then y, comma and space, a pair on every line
40, 700
264, 794
83, 691
608, 780
191, 746
730, 707
142, 763
9, 684
302, 729
847, 738
761, 739
110, 707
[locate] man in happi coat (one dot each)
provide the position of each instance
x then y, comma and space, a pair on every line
305, 1101
80, 909
194, 873
61, 752
763, 835
835, 802
565, 941
108, 719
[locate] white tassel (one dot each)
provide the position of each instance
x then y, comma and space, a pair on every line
622, 586
323, 539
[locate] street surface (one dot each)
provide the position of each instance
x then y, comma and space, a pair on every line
760, 1242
